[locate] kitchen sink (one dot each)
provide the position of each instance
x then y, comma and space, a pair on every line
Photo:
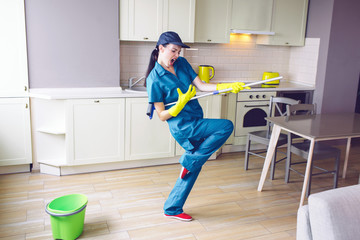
136, 90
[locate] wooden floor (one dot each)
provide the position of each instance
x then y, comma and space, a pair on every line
127, 204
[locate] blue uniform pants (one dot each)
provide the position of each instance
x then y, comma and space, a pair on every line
213, 134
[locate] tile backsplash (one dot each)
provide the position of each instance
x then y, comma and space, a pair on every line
239, 60
303, 62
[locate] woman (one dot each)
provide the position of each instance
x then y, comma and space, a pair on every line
169, 78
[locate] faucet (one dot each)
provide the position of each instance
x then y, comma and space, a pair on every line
131, 83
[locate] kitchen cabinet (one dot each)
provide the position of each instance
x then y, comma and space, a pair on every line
254, 15
95, 130
212, 21
212, 109
179, 16
15, 135
140, 20
72, 132
288, 22
146, 139
77, 135
13, 57
145, 20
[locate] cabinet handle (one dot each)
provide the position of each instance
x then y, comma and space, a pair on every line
96, 101
25, 88
146, 38
26, 105
209, 40
249, 106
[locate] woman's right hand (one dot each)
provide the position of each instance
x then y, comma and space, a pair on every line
182, 100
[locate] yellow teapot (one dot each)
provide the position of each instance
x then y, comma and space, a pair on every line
268, 75
204, 73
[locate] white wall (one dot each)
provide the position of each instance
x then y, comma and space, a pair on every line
303, 62
73, 43
336, 23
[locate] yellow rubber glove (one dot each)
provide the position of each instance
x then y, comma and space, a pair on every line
236, 86
182, 100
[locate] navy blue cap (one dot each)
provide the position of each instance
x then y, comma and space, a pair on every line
171, 37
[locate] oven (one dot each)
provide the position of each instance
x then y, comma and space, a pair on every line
251, 110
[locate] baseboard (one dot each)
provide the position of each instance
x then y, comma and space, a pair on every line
15, 169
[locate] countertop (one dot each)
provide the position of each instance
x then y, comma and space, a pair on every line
118, 92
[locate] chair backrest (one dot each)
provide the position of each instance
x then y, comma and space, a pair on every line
276, 108
276, 105
301, 109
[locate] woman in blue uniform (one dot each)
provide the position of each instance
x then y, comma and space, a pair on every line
170, 78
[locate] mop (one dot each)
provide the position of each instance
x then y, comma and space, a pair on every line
151, 107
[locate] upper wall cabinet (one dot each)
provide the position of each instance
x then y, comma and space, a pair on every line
13, 57
145, 20
254, 15
212, 21
179, 16
140, 20
288, 22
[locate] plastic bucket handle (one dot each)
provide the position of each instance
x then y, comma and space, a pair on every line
64, 214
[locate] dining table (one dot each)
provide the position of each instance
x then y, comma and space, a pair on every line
316, 127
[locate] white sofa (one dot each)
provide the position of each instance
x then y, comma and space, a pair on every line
330, 215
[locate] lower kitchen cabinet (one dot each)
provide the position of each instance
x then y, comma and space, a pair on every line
145, 138
15, 135
149, 139
212, 109
95, 130
77, 131
85, 135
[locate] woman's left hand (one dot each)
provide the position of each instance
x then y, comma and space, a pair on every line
236, 86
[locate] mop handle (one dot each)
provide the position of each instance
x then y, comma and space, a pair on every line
229, 89
151, 106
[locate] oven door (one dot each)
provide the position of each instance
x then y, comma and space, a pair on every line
250, 116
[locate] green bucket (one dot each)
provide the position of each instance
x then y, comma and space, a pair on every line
67, 215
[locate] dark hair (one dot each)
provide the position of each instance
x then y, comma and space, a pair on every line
153, 58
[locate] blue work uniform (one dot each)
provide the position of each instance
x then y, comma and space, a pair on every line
198, 136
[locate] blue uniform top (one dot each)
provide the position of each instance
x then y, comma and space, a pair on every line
162, 87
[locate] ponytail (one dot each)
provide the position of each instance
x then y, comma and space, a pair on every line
153, 59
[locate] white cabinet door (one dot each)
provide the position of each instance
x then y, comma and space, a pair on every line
141, 20
179, 16
95, 130
15, 135
254, 15
212, 21
212, 109
13, 58
288, 23
145, 138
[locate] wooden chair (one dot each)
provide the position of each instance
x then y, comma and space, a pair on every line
276, 108
321, 151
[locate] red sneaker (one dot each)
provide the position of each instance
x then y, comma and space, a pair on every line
183, 172
182, 217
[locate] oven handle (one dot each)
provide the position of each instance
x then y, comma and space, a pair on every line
264, 105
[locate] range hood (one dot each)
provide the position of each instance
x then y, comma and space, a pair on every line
251, 32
